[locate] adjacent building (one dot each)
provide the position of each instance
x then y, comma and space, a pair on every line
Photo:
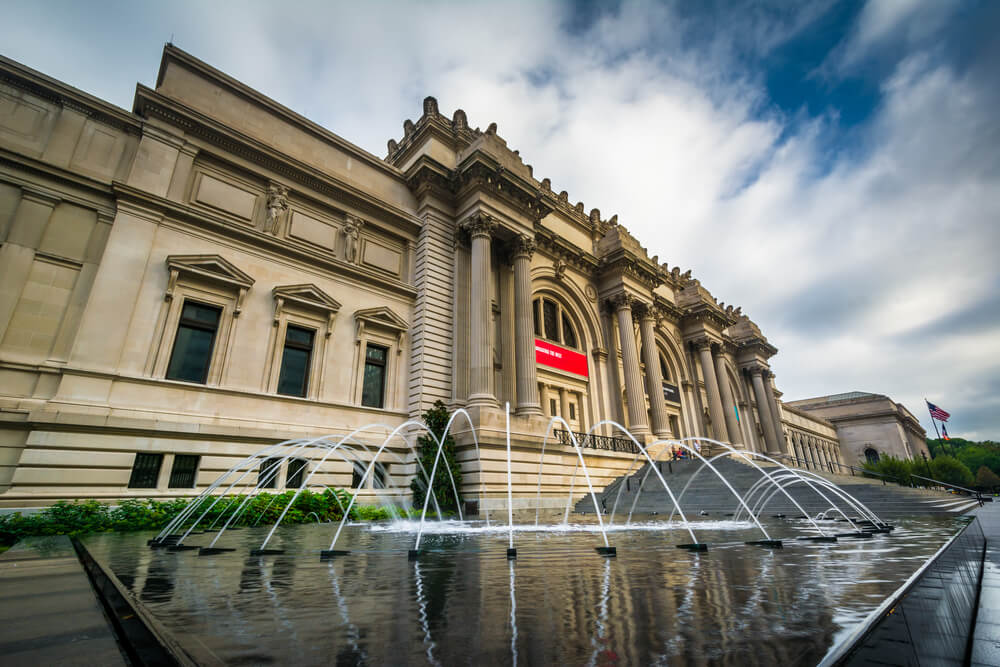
209, 273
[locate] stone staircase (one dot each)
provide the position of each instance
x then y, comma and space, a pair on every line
708, 494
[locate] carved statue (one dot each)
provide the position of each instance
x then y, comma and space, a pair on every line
277, 207
560, 268
352, 230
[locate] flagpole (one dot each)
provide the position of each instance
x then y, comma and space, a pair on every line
933, 423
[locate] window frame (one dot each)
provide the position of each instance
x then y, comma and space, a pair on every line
309, 349
304, 306
563, 317
198, 326
156, 475
265, 467
383, 365
174, 473
384, 328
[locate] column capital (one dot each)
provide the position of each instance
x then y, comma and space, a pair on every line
701, 343
755, 368
522, 246
479, 224
621, 301
643, 311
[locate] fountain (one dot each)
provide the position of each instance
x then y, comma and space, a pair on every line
354, 452
330, 590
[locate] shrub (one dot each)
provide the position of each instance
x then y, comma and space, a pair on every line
986, 479
90, 516
951, 470
899, 469
427, 447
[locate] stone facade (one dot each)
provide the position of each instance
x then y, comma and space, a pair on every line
212, 221
868, 425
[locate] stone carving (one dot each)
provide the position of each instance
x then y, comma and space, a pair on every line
407, 128
522, 246
430, 106
564, 197
559, 266
352, 232
459, 121
621, 301
547, 185
613, 222
491, 129
277, 207
479, 224
393, 146
595, 216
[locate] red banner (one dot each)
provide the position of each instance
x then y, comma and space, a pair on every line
548, 354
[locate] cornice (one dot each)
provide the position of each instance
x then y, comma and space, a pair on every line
150, 103
204, 219
557, 247
47, 88
667, 310
704, 313
223, 80
17, 162
628, 264
480, 173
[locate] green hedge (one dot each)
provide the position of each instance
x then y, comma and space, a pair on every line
91, 516
942, 468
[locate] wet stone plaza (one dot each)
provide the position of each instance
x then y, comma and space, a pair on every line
559, 602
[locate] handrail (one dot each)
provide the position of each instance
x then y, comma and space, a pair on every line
595, 441
979, 496
864, 472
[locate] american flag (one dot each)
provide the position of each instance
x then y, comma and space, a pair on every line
937, 413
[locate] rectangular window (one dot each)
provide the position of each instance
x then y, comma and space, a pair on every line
550, 316
295, 474
572, 411
357, 472
267, 474
193, 345
145, 471
182, 474
294, 377
372, 393
535, 305
552, 407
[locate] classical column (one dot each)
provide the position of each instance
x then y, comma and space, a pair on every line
480, 228
772, 403
524, 330
728, 404
630, 360
545, 401
654, 379
715, 409
763, 410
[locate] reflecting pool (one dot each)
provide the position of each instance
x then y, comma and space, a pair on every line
559, 602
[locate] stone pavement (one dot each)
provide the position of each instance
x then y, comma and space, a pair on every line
986, 642
49, 613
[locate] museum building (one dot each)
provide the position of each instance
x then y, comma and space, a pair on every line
184, 284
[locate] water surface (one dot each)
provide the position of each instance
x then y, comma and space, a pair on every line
463, 602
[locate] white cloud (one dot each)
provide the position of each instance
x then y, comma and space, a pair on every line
841, 258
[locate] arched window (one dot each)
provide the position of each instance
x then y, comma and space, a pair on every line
871, 455
552, 322
664, 373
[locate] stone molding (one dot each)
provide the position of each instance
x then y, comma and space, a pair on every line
479, 224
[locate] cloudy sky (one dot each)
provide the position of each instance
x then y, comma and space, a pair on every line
834, 169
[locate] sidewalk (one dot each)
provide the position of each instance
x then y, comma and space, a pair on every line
986, 641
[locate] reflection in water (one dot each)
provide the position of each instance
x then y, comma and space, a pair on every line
513, 616
424, 623
558, 603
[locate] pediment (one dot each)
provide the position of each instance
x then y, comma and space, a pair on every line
382, 317
307, 295
211, 267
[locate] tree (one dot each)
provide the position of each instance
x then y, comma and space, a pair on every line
986, 479
951, 470
436, 420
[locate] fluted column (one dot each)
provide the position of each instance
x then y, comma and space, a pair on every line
763, 410
545, 401
630, 360
715, 409
654, 378
728, 404
564, 404
772, 403
480, 228
524, 330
